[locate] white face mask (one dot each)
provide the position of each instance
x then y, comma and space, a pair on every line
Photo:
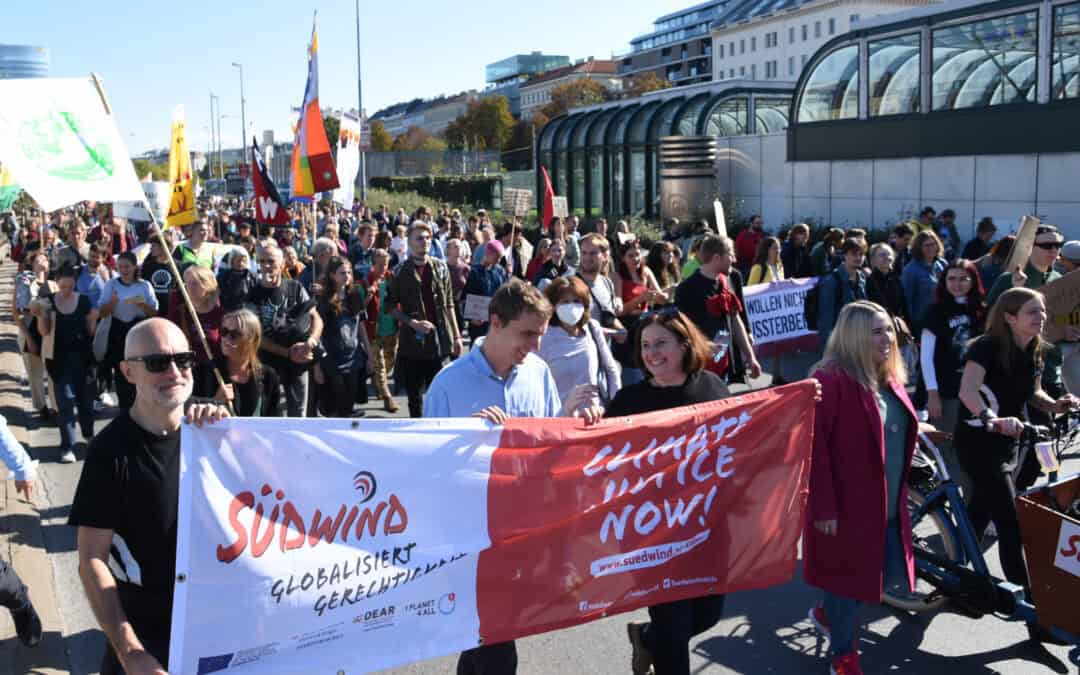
570, 313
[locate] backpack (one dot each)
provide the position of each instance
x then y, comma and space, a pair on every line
812, 300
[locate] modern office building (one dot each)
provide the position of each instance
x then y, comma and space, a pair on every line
21, 61
536, 93
604, 158
505, 77
678, 49
773, 40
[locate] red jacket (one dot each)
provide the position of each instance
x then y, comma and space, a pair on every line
746, 245
847, 483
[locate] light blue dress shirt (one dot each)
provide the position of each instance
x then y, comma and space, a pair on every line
469, 385
14, 454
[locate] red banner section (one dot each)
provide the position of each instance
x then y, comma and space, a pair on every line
587, 522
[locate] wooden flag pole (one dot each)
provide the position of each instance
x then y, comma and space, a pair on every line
156, 229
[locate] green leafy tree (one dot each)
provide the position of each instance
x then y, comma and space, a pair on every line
517, 155
575, 94
486, 124
416, 138
643, 84
156, 171
332, 125
380, 138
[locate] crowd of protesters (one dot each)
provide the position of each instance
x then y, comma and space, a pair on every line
591, 323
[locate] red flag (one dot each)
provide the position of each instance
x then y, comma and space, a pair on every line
269, 208
549, 196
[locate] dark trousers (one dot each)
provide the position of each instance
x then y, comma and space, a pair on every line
667, 636
337, 393
500, 659
158, 648
993, 499
12, 591
73, 390
415, 376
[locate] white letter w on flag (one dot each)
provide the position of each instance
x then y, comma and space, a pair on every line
268, 207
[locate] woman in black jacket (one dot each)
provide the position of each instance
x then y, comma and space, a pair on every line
884, 288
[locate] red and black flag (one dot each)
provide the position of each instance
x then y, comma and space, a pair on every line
269, 207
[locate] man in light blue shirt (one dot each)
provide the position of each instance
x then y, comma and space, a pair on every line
501, 377
13, 594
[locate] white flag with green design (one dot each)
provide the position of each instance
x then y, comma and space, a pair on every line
57, 138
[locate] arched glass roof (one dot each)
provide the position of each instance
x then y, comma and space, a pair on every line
615, 134
660, 124
599, 125
581, 130
639, 123
562, 136
727, 116
686, 119
548, 134
831, 91
771, 115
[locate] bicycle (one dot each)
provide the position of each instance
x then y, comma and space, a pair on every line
949, 560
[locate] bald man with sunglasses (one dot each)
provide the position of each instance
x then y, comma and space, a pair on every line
126, 503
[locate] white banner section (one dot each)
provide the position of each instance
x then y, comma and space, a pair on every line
314, 551
775, 309
157, 196
348, 159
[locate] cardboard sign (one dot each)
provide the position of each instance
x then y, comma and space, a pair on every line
517, 201
559, 206
1062, 306
476, 307
1025, 241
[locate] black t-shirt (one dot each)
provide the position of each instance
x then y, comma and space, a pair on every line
258, 397
272, 306
690, 297
129, 485
1009, 391
700, 387
161, 278
953, 328
234, 287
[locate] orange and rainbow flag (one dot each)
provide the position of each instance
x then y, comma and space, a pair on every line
312, 164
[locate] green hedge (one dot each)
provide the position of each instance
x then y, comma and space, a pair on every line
479, 191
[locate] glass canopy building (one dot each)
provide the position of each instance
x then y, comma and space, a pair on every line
953, 79
19, 61
604, 158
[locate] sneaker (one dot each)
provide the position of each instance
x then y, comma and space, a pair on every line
27, 625
846, 664
820, 621
641, 662
67, 457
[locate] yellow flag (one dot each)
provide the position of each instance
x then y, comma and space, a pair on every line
182, 199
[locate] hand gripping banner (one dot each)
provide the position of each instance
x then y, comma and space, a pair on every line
309, 546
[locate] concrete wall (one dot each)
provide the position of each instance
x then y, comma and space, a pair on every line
878, 193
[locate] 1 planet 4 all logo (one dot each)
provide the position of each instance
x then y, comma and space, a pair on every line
445, 605
63, 146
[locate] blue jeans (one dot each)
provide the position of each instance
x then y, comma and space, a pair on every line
841, 611
69, 374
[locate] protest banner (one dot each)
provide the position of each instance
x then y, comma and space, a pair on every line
158, 195
348, 159
775, 311
58, 140
342, 545
182, 185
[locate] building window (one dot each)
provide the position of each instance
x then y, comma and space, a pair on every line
832, 26
628, 62
720, 75
853, 19
731, 72
1066, 52
753, 44
742, 46
791, 35
753, 71
984, 63
666, 51
682, 52
805, 33
791, 65
817, 29
831, 92
706, 47
731, 48
770, 70
894, 75
721, 55
742, 71
803, 62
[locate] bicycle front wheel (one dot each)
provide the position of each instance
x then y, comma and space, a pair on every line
931, 532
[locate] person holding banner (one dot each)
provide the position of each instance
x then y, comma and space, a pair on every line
673, 353
126, 502
857, 522
252, 388
128, 299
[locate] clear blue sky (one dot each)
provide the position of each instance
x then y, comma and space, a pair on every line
153, 56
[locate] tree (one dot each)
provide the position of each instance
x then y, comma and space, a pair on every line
380, 137
517, 156
416, 138
575, 94
156, 171
643, 84
486, 125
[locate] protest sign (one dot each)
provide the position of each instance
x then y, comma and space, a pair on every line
560, 207
775, 311
158, 194
337, 545
182, 186
58, 139
477, 307
1062, 306
516, 201
1025, 241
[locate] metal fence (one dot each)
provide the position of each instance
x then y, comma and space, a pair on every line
437, 163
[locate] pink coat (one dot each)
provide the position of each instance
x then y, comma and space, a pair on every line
847, 483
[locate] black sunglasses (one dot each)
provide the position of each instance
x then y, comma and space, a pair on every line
159, 363
1050, 245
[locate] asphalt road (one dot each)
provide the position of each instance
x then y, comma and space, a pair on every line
762, 631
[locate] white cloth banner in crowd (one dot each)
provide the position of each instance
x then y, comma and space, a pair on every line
324, 546
348, 159
57, 138
157, 196
775, 310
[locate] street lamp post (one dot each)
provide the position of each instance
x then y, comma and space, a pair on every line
360, 109
213, 135
243, 115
